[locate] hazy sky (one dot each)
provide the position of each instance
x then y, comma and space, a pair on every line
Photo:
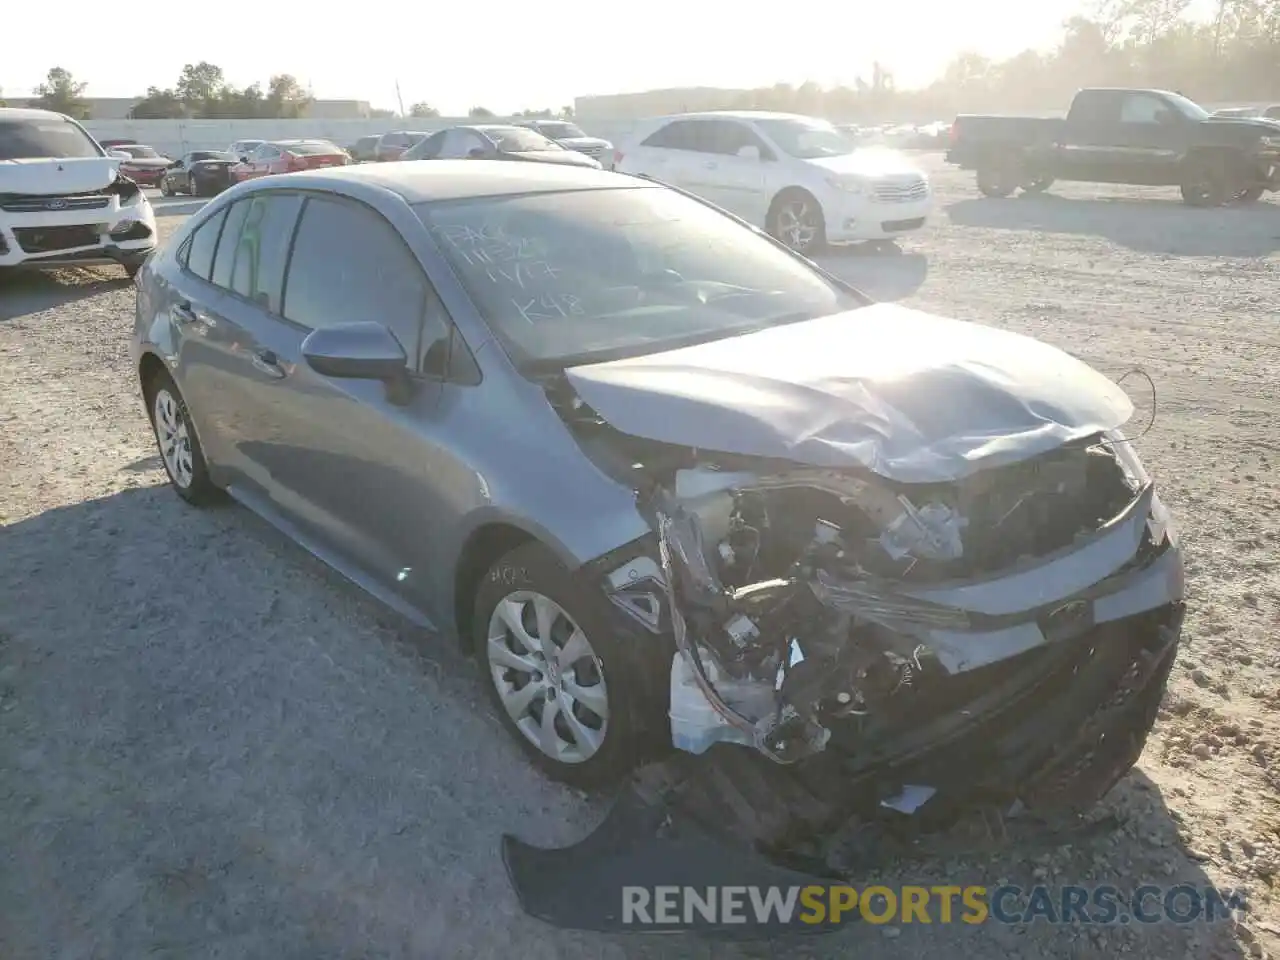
511, 55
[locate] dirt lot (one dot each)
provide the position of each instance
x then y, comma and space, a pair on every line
210, 746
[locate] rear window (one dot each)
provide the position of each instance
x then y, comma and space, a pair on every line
138, 152
45, 138
210, 155
310, 148
559, 130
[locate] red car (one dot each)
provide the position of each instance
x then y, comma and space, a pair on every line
145, 166
288, 156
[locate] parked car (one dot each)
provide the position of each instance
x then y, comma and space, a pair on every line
674, 485
287, 156
573, 137
1119, 135
64, 202
495, 141
145, 165
799, 178
113, 143
392, 145
242, 148
364, 150
201, 173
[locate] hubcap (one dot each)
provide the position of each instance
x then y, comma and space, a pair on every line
548, 677
174, 440
797, 225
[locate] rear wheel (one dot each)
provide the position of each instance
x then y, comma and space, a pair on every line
1037, 184
999, 178
180, 449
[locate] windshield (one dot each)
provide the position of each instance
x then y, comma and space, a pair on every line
40, 139
518, 139
210, 155
1187, 108
558, 130
138, 151
588, 275
807, 139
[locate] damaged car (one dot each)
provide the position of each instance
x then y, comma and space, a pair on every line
708, 517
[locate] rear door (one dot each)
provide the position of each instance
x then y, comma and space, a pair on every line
669, 154
246, 386
731, 181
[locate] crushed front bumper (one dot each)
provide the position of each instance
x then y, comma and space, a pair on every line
1045, 734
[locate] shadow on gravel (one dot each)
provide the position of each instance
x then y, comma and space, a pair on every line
884, 273
213, 748
1146, 226
25, 293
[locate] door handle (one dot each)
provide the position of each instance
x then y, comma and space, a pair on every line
267, 362
183, 313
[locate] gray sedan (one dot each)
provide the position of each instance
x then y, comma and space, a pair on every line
673, 484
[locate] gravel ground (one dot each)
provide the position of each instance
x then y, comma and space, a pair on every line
210, 746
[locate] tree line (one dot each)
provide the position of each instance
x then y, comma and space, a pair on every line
1235, 55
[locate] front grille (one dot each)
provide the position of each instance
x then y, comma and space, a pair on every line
897, 226
42, 203
49, 239
592, 152
902, 190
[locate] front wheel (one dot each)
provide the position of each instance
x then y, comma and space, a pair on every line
554, 669
796, 219
1211, 181
165, 189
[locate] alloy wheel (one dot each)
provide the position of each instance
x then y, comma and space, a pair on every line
174, 438
548, 677
798, 224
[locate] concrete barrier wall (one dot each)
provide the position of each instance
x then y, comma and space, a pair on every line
176, 137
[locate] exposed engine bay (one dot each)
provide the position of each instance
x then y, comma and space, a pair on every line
800, 597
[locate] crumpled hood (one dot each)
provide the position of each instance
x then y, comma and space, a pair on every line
913, 397
869, 162
57, 177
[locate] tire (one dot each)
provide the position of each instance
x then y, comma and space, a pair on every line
602, 746
165, 189
1037, 185
998, 179
131, 269
191, 484
1210, 181
795, 218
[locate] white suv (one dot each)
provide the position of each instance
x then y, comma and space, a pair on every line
798, 177
63, 201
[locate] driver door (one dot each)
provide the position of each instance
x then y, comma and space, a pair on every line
1151, 140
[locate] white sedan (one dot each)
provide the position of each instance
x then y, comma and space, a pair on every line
798, 177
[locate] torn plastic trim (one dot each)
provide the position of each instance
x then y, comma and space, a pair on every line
1055, 577
1150, 588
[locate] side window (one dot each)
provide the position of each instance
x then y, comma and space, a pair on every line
203, 243
257, 273
429, 149
1142, 109
677, 135
455, 144
350, 264
726, 137
225, 257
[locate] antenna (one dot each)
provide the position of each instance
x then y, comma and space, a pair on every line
399, 99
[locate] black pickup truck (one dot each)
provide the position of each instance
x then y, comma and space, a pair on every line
1145, 137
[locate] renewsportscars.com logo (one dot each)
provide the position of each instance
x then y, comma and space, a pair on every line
674, 907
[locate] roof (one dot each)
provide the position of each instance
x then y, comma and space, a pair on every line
27, 113
738, 115
419, 181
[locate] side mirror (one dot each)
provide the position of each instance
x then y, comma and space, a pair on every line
356, 351
244, 159
749, 152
